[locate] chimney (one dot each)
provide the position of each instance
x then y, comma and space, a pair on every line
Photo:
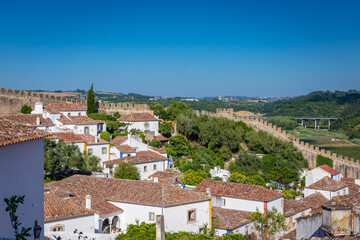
88, 201
96, 139
129, 139
208, 192
38, 108
156, 179
38, 121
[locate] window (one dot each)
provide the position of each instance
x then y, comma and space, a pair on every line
151, 216
79, 114
223, 202
69, 115
191, 216
145, 168
104, 150
344, 192
47, 128
57, 228
86, 130
129, 154
154, 167
90, 151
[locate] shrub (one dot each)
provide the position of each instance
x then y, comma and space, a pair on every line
26, 109
321, 160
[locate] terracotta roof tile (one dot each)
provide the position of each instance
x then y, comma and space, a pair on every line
353, 187
238, 190
327, 184
351, 180
125, 148
290, 235
138, 117
69, 137
229, 218
71, 120
57, 107
141, 157
119, 140
102, 190
11, 133
292, 207
161, 138
352, 200
167, 177
79, 186
159, 150
329, 169
56, 208
28, 119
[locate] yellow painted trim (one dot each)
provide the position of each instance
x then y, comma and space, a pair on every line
210, 215
109, 151
84, 147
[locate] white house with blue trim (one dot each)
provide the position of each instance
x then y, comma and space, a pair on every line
320, 172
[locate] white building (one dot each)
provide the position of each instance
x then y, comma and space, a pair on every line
142, 122
69, 117
243, 197
293, 209
61, 215
320, 172
230, 220
328, 187
221, 173
21, 173
33, 120
147, 162
93, 145
133, 202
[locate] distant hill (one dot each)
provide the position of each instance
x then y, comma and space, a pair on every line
315, 104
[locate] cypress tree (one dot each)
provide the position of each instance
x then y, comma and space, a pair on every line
90, 101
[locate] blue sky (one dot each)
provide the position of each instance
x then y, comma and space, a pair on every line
181, 48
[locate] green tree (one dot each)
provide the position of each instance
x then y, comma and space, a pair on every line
238, 178
59, 156
105, 135
91, 163
194, 178
267, 225
217, 179
179, 145
126, 170
155, 143
321, 160
11, 207
90, 100
165, 128
26, 109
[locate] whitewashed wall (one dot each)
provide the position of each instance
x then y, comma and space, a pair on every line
175, 217
160, 166
291, 220
242, 204
97, 151
243, 229
306, 227
316, 174
278, 204
86, 224
22, 173
73, 113
328, 194
153, 126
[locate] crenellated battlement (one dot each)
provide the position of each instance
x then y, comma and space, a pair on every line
349, 167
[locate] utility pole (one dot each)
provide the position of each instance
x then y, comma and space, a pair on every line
160, 224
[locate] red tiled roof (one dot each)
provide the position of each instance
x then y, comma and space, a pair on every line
161, 138
78, 120
329, 169
119, 140
352, 200
167, 177
57, 107
292, 207
138, 117
102, 190
141, 157
159, 150
238, 190
56, 208
327, 184
353, 187
11, 133
28, 119
290, 235
69, 137
351, 180
229, 218
125, 148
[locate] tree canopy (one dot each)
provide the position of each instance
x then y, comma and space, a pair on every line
90, 100
126, 170
26, 109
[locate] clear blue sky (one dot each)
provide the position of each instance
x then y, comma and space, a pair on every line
181, 48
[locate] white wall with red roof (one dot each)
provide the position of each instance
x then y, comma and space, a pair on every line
22, 173
318, 173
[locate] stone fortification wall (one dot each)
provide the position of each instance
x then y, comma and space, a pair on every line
123, 108
11, 101
349, 167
